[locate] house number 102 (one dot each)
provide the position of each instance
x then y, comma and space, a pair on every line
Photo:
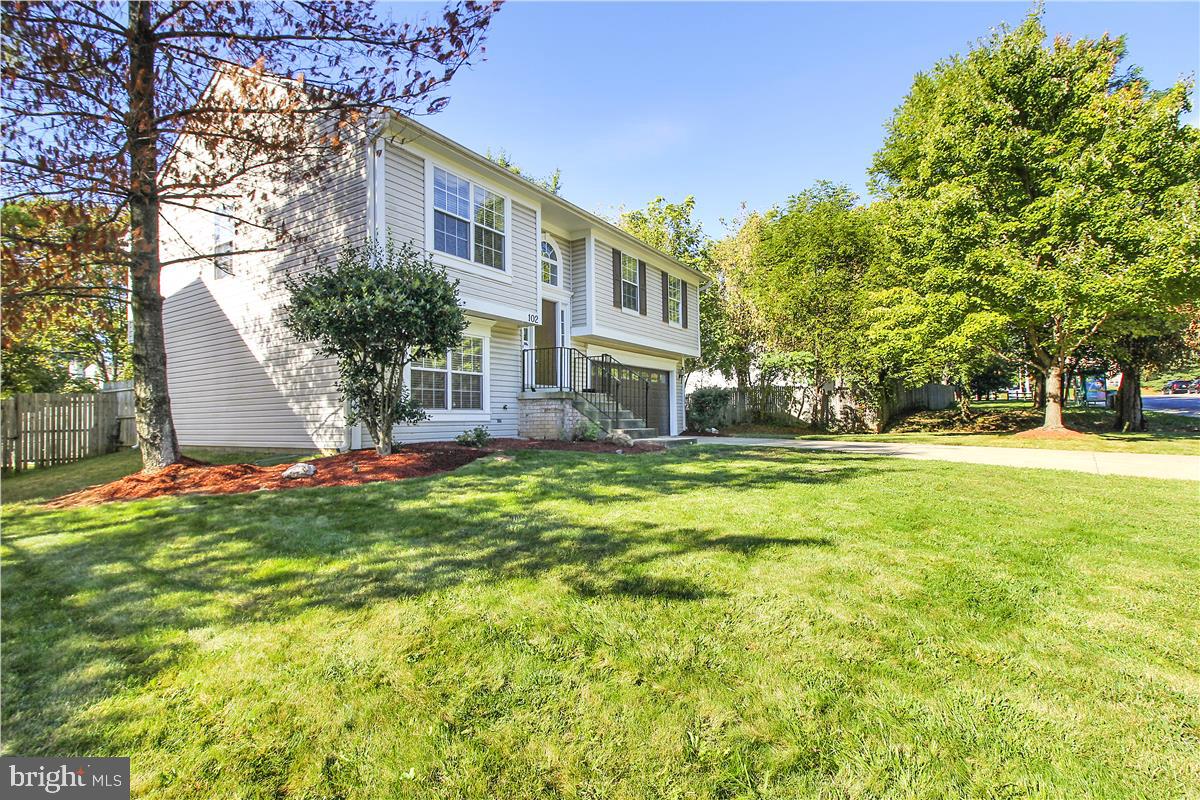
535, 319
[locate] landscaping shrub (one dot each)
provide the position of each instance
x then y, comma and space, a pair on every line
587, 431
474, 437
706, 407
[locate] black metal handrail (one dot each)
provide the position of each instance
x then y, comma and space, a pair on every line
603, 383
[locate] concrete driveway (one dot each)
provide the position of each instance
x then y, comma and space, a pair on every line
1137, 465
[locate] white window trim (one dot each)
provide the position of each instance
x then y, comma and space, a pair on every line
676, 323
479, 330
452, 261
636, 283
558, 262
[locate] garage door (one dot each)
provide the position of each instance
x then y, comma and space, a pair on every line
647, 393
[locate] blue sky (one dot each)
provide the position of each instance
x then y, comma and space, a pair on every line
738, 102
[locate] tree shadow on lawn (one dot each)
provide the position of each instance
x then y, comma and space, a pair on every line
86, 614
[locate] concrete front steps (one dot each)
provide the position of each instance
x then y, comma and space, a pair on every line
626, 422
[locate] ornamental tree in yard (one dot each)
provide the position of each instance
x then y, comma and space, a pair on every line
97, 94
379, 308
1044, 189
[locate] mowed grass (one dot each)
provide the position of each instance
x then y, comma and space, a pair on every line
998, 422
705, 623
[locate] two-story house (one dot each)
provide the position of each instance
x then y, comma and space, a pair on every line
570, 317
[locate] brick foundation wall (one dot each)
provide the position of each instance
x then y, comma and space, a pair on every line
547, 417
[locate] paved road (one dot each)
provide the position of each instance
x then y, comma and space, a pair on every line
1138, 465
1186, 404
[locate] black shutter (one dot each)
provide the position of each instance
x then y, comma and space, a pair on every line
616, 270
642, 287
683, 293
666, 292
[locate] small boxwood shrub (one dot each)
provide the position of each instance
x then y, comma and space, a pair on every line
706, 407
474, 437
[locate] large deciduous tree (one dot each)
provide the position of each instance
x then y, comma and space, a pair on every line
1043, 185
96, 95
64, 296
810, 274
379, 308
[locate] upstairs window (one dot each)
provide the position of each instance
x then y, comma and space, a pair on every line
468, 220
674, 299
630, 287
551, 266
222, 243
451, 381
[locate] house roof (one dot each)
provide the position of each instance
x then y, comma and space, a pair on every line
486, 164
481, 162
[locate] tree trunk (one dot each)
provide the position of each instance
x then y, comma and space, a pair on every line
152, 402
383, 440
964, 403
1054, 397
1129, 401
1039, 391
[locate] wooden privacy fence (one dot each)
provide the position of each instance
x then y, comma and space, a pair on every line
41, 430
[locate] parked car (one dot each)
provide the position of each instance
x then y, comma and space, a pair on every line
1195, 386
1177, 387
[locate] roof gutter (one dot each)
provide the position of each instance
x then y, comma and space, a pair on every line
538, 191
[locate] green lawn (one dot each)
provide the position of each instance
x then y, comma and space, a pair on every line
698, 624
1001, 420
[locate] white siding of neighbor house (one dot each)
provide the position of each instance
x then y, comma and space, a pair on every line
237, 377
406, 221
505, 368
579, 283
649, 328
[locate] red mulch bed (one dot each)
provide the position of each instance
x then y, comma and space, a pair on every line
1049, 433
344, 469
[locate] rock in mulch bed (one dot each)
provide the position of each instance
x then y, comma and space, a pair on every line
344, 469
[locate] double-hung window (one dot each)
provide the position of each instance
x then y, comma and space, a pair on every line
674, 299
550, 264
451, 381
468, 220
630, 286
222, 243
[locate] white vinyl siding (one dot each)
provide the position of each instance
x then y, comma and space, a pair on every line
503, 381
468, 220
236, 376
613, 324
480, 287
579, 283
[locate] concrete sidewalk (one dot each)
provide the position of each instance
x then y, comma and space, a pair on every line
1137, 465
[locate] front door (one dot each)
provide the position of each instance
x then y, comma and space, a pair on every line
545, 339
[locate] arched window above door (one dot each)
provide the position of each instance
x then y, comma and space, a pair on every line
551, 264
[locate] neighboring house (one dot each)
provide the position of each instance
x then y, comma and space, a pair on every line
570, 317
